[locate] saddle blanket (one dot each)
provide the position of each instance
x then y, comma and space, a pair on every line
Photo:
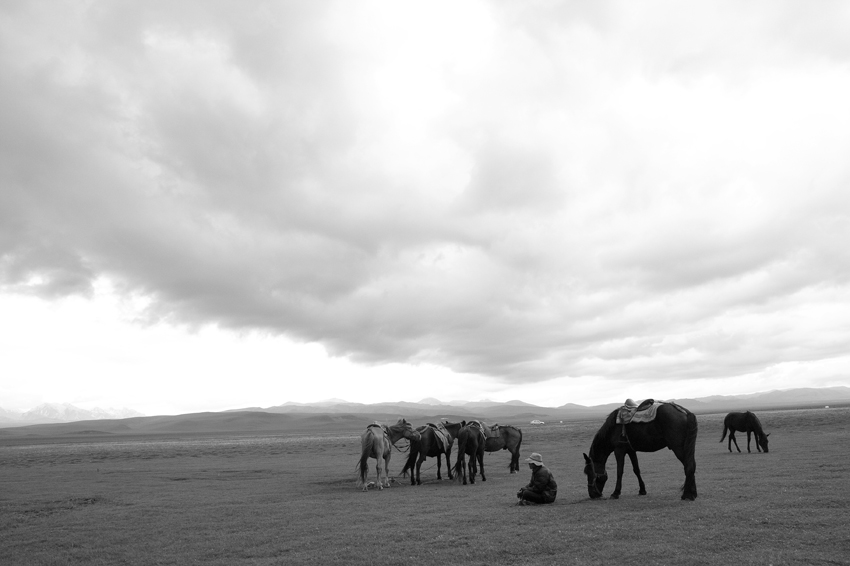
643, 413
441, 438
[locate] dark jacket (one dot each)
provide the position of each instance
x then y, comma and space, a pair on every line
543, 482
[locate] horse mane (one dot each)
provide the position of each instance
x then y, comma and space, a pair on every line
755, 422
601, 436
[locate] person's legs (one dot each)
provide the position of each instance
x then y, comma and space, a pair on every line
532, 497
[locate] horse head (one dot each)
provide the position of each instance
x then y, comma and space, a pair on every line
408, 432
596, 478
762, 440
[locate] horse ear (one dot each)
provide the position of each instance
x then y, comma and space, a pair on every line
768, 434
586, 459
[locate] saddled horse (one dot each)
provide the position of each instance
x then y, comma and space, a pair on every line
744, 422
429, 445
377, 442
470, 442
674, 427
504, 437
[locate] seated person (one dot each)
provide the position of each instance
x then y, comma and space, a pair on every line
542, 487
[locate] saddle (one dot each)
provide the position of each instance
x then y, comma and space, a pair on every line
376, 424
480, 427
441, 437
643, 413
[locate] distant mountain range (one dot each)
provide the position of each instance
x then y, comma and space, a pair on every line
511, 411
803, 397
61, 413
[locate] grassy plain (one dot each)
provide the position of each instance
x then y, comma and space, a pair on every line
289, 498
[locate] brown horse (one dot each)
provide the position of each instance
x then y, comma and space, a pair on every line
744, 422
377, 442
504, 437
674, 427
470, 442
430, 445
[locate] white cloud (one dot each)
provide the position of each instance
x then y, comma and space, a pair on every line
517, 197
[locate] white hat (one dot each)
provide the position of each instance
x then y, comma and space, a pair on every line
535, 459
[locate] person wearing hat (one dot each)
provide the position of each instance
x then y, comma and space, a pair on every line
542, 487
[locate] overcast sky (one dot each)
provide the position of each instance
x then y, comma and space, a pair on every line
211, 205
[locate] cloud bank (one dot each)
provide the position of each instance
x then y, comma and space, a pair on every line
523, 192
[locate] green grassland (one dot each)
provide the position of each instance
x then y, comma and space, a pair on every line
289, 497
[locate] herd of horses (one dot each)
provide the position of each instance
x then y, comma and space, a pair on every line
673, 427
435, 441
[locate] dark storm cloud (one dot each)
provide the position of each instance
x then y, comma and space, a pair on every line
576, 198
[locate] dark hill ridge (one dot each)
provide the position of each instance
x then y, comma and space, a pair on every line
344, 417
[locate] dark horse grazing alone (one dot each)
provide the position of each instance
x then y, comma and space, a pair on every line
674, 427
429, 446
744, 422
377, 442
470, 442
504, 437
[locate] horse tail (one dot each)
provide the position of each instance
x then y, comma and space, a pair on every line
461, 451
514, 464
690, 447
363, 463
725, 428
413, 453
691, 439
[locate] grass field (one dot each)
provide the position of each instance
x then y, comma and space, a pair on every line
289, 498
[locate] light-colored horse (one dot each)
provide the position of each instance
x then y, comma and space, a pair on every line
377, 442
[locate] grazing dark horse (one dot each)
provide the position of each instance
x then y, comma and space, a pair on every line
377, 442
744, 422
674, 427
470, 442
504, 437
429, 446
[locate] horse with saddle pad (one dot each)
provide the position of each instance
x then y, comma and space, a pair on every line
377, 442
434, 441
629, 430
504, 437
470, 442
744, 422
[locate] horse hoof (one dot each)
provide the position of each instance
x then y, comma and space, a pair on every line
642, 492
615, 496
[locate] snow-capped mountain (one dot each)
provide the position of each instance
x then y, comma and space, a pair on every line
63, 413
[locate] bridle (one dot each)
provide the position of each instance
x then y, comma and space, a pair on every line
592, 475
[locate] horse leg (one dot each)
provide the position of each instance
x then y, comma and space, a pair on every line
448, 459
621, 460
378, 469
636, 469
411, 466
460, 465
515, 460
419, 468
481, 462
749, 434
387, 469
733, 439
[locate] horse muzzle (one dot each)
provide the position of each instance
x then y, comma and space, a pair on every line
593, 492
